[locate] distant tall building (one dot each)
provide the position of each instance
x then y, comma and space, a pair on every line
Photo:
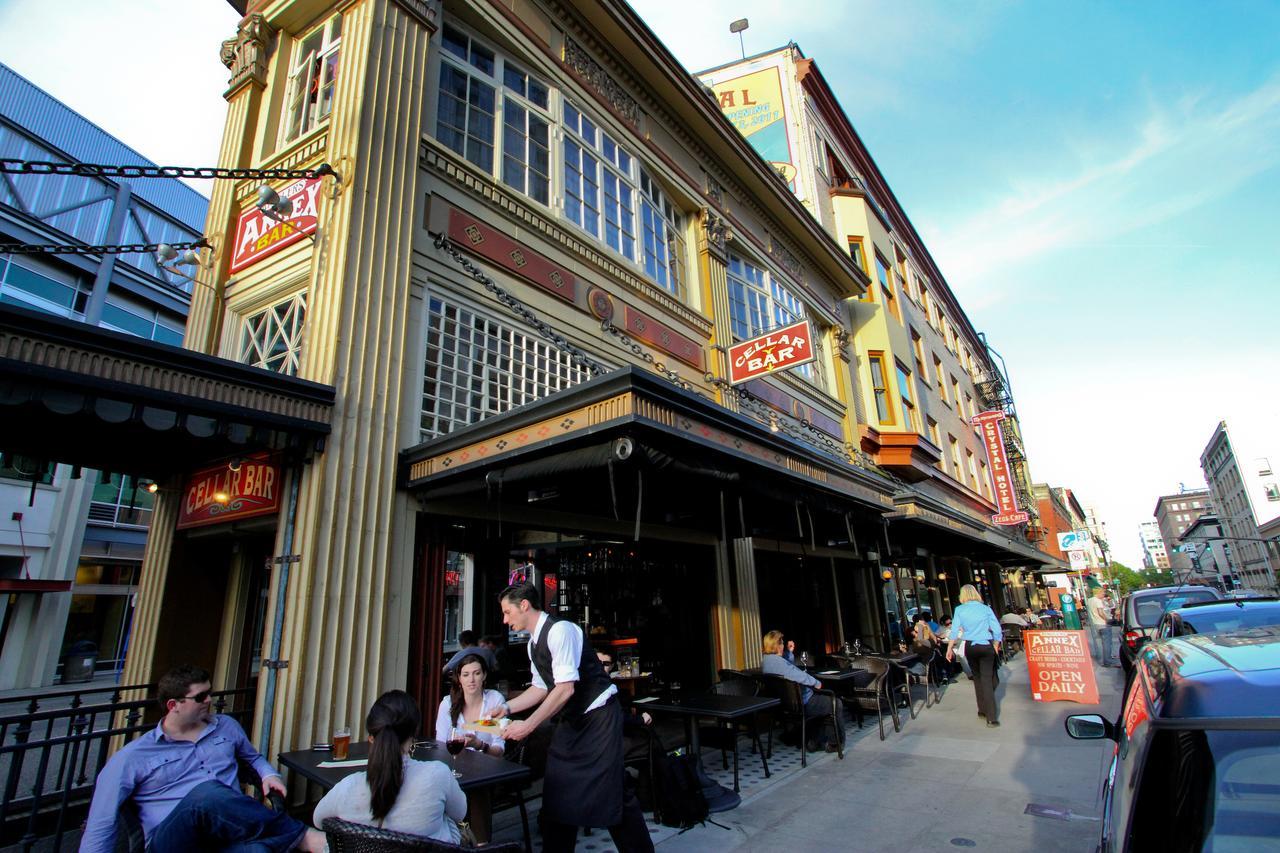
1210, 552
1246, 495
1174, 514
1098, 530
1154, 554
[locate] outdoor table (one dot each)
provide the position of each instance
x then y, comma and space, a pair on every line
631, 683
481, 773
716, 706
839, 679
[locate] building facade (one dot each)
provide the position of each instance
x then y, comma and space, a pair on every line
1154, 555
80, 528
1174, 514
1207, 547
491, 343
1246, 495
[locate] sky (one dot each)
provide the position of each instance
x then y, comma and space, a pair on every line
1096, 181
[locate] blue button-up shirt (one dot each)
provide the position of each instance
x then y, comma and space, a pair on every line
778, 665
157, 771
978, 623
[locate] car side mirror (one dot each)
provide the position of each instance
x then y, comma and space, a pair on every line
1089, 727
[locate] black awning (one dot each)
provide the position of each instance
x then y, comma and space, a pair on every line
80, 395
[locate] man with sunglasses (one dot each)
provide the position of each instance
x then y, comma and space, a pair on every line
181, 777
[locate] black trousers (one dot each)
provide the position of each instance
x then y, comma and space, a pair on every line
631, 835
982, 660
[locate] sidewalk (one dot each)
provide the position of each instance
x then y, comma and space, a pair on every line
944, 781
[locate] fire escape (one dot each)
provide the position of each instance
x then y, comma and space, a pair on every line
995, 394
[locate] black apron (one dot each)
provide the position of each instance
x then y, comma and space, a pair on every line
583, 784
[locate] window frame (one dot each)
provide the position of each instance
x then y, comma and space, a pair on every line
880, 393
295, 337
884, 275
911, 414
327, 58
766, 296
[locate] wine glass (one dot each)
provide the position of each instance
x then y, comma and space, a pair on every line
456, 743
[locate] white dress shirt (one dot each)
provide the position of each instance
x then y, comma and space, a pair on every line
565, 642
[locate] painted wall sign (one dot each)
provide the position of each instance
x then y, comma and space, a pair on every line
790, 346
1006, 499
258, 236
757, 106
1060, 667
216, 495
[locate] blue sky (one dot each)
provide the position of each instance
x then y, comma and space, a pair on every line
1097, 182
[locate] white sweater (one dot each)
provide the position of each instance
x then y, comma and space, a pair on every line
491, 699
429, 802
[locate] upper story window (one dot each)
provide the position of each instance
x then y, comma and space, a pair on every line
272, 338
599, 183
313, 73
886, 288
500, 117
477, 89
758, 303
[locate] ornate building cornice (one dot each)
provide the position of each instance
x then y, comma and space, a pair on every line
246, 54
595, 75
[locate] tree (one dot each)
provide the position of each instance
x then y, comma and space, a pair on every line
1126, 578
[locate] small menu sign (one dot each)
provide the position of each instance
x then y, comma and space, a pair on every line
1060, 667
219, 494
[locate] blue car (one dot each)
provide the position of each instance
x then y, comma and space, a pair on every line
1197, 747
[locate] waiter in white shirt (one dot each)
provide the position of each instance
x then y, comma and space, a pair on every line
583, 783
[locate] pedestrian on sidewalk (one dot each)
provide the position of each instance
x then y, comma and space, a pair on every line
976, 624
1100, 628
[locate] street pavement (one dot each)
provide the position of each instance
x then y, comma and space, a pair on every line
945, 781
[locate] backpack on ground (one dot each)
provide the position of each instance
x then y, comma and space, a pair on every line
677, 791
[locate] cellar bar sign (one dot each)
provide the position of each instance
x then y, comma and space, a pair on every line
790, 346
245, 488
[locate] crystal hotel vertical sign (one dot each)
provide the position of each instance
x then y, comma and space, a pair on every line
988, 424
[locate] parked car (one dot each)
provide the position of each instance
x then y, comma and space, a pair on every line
1213, 617
1196, 747
1141, 612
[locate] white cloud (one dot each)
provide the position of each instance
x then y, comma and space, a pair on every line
1178, 158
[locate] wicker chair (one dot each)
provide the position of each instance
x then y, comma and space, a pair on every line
347, 837
790, 695
873, 694
129, 835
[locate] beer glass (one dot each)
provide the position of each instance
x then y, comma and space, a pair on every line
341, 743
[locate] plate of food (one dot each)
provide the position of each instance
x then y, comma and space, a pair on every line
491, 727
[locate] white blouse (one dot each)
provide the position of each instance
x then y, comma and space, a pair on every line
490, 700
429, 803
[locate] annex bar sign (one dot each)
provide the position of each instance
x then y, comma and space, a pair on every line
258, 236
1006, 499
790, 346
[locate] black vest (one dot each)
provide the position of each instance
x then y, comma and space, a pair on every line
592, 679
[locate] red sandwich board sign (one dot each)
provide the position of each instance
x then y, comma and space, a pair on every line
988, 423
1060, 667
258, 236
790, 346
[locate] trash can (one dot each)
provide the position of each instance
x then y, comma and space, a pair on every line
79, 661
1070, 616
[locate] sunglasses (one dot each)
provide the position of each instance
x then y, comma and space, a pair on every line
202, 696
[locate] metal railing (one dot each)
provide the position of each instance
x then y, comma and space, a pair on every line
50, 757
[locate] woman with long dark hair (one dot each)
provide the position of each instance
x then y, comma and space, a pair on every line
396, 792
469, 702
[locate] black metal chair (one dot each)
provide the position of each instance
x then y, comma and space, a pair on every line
873, 694
736, 683
517, 794
129, 835
790, 694
346, 837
